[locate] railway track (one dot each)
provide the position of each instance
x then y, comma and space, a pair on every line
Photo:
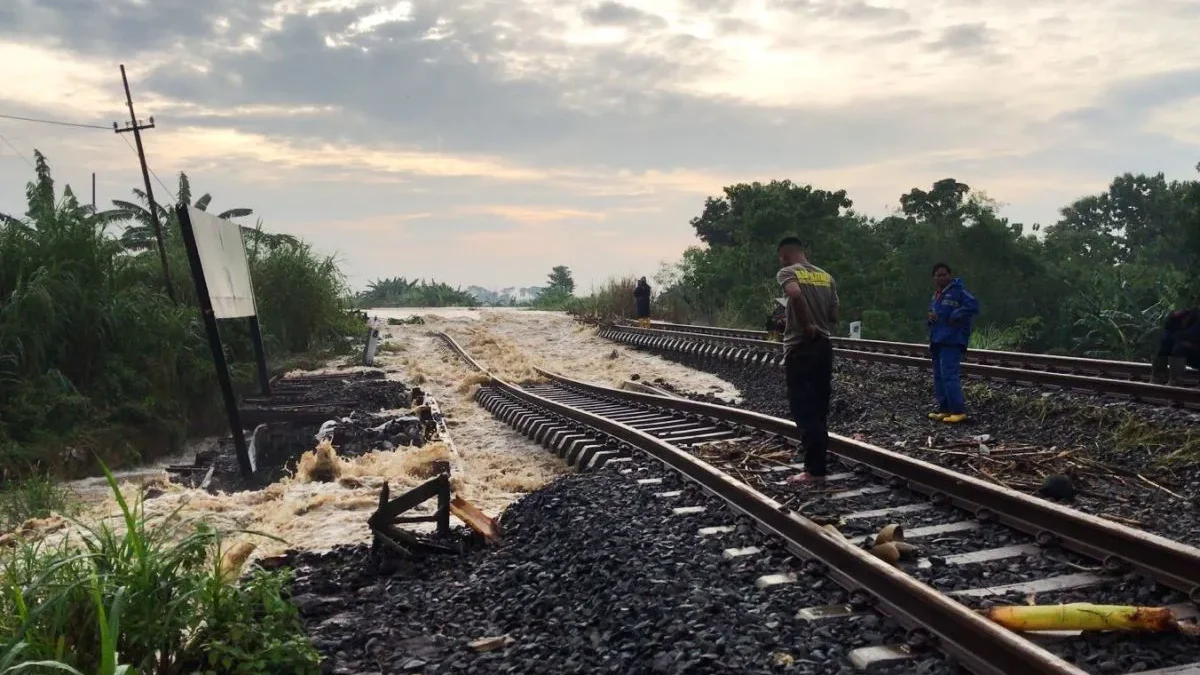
1038, 369
978, 543
1116, 370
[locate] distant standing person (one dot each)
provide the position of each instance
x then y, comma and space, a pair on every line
810, 316
952, 313
641, 302
1178, 347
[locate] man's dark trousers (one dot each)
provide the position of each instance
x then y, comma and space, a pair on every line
809, 372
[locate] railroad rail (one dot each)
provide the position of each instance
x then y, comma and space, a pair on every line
592, 426
751, 350
1130, 370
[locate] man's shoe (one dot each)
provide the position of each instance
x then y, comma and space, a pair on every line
954, 418
1177, 366
1158, 370
938, 416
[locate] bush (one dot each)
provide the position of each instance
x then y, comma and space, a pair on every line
33, 497
159, 597
612, 300
95, 356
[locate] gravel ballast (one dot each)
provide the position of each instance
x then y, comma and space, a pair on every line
595, 575
1113, 441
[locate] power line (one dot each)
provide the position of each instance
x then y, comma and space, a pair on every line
18, 152
136, 126
156, 178
54, 122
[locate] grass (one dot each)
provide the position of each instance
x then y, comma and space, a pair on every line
613, 299
151, 600
1116, 434
33, 497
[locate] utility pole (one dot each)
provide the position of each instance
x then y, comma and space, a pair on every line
93, 191
136, 127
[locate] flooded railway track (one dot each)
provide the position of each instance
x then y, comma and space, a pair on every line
976, 544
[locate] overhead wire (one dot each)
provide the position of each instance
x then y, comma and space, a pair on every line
79, 125
17, 152
54, 122
171, 192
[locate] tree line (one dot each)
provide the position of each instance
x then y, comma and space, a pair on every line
400, 292
97, 361
1097, 282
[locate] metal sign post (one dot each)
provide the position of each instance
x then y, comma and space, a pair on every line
217, 258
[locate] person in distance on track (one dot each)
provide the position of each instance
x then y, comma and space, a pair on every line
810, 315
777, 321
952, 312
641, 302
1178, 347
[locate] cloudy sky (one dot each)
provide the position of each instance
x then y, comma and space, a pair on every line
483, 141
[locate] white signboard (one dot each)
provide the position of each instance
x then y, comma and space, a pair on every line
855, 330
223, 260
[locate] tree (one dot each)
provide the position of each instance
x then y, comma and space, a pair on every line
140, 236
560, 289
765, 213
561, 281
400, 292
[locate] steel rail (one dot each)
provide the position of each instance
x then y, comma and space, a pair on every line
984, 647
771, 353
1071, 364
1169, 562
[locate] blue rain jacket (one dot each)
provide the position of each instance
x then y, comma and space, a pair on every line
955, 310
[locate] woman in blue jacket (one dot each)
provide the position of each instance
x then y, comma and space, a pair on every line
952, 311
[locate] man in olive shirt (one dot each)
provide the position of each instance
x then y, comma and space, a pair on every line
812, 304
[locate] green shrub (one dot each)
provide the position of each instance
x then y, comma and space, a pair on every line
93, 354
33, 497
178, 611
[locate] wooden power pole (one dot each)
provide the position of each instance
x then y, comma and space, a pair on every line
136, 127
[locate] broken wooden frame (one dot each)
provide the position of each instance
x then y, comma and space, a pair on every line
385, 519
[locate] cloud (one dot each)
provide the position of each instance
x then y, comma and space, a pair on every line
851, 10
525, 214
610, 13
963, 39
131, 27
538, 120
897, 36
734, 26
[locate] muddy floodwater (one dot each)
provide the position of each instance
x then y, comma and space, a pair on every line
494, 465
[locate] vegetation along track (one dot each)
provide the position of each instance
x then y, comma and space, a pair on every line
1061, 371
977, 543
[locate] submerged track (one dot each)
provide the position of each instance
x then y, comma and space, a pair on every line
592, 426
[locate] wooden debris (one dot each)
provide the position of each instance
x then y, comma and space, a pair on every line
491, 644
475, 519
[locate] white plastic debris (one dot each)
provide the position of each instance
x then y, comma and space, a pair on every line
326, 430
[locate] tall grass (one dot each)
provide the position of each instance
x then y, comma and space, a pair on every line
159, 599
613, 299
32, 497
95, 360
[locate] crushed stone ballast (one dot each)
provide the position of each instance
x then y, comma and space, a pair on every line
592, 426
